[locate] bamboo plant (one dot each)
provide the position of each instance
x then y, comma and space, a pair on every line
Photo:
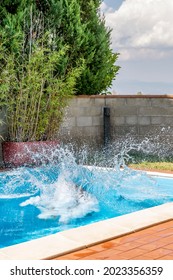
32, 88
34, 95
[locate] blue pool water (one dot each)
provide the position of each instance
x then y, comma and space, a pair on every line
35, 202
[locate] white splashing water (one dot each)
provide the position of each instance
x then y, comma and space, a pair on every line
63, 199
60, 197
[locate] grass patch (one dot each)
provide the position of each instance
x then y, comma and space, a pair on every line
165, 166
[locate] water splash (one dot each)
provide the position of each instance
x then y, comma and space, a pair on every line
66, 189
17, 183
65, 200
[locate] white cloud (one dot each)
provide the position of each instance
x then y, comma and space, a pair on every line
141, 27
105, 8
144, 53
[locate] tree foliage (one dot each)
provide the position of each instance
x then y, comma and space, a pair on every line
100, 67
51, 49
32, 87
78, 24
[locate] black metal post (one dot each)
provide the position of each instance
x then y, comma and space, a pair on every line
106, 123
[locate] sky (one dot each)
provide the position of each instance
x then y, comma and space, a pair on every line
142, 32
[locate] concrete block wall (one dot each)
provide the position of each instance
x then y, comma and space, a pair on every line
142, 116
83, 121
139, 116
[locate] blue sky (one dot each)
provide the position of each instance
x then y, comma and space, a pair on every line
115, 4
142, 34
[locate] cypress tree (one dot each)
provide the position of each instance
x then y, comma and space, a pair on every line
100, 60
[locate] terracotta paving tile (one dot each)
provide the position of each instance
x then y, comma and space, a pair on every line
142, 257
77, 255
128, 246
158, 253
100, 247
84, 253
117, 257
151, 243
132, 237
102, 255
169, 246
160, 227
164, 233
120, 240
167, 240
105, 245
108, 245
132, 253
148, 239
167, 257
139, 234
66, 257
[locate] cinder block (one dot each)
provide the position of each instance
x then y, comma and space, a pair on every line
115, 101
155, 111
118, 121
162, 102
124, 111
138, 101
69, 122
168, 120
92, 111
84, 111
74, 111
84, 121
149, 130
157, 120
91, 131
124, 130
97, 121
85, 101
144, 120
131, 120
98, 101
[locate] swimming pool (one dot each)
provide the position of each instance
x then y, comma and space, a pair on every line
35, 202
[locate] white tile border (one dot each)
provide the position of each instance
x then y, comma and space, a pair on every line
73, 239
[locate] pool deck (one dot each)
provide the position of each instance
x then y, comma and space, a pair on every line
153, 243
